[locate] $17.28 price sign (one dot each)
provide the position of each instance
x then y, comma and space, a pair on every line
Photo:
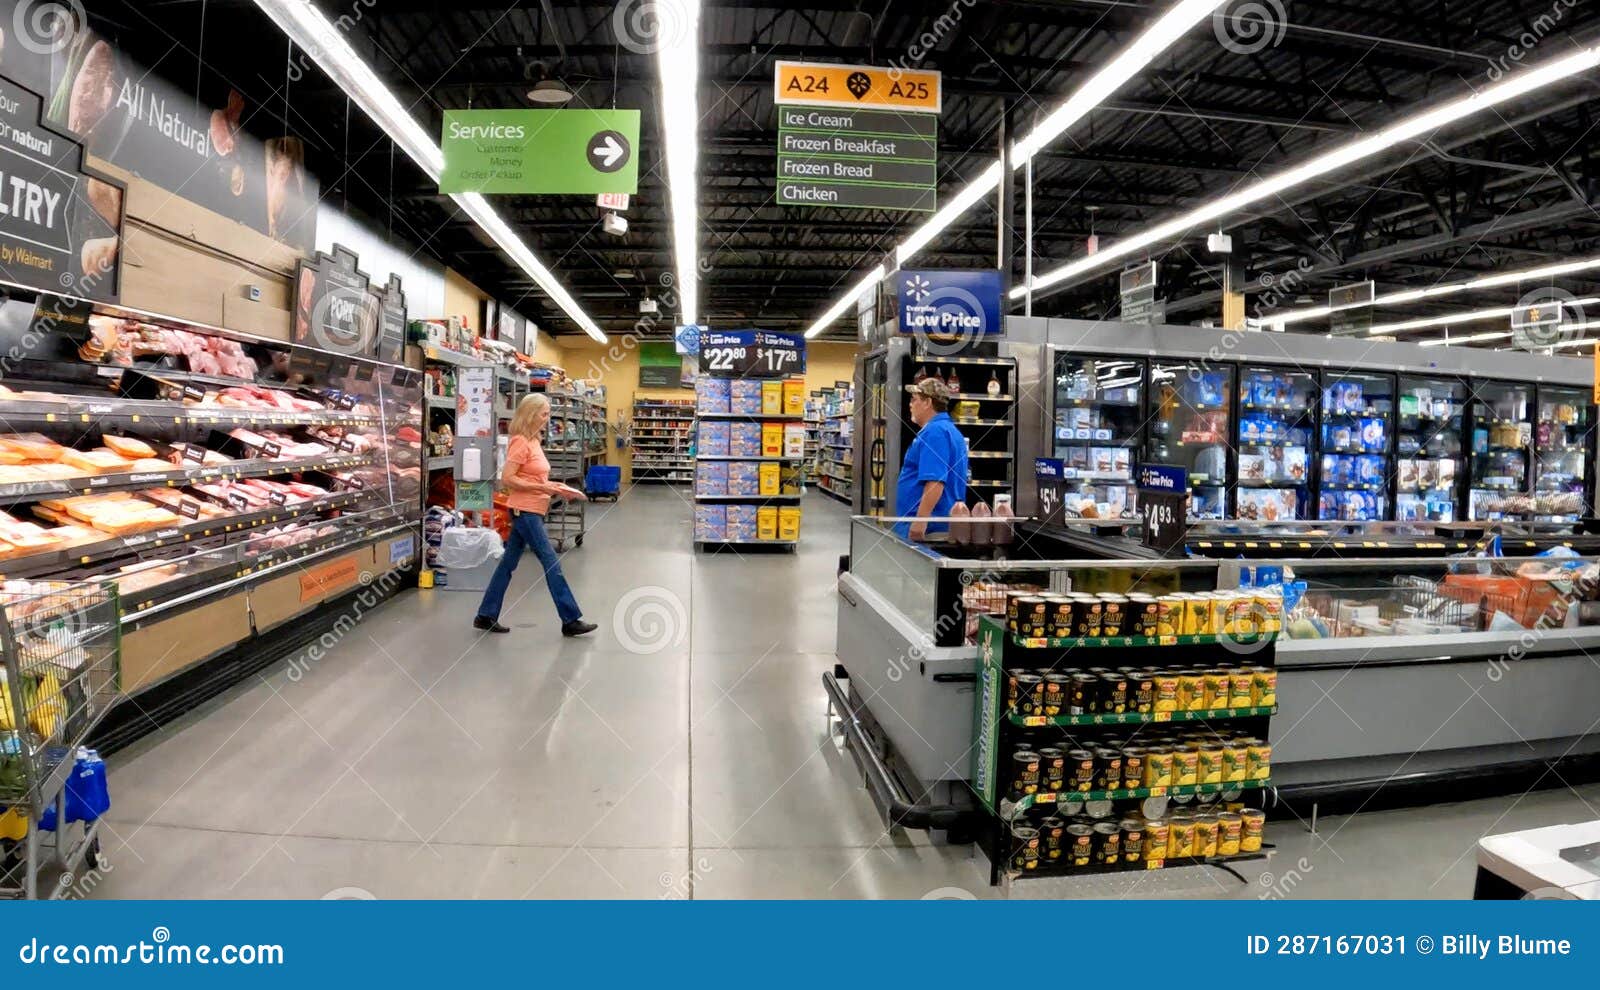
751, 354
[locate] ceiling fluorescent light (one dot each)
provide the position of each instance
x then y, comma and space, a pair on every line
1474, 316
1471, 339
1168, 28
1447, 289
310, 29
678, 60
1325, 162
871, 279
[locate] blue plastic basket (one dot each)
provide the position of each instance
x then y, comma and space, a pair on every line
602, 479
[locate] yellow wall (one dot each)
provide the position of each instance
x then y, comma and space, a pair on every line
462, 298
617, 367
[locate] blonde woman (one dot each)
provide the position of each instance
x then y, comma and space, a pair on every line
527, 477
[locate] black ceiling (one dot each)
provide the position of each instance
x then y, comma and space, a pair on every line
1513, 187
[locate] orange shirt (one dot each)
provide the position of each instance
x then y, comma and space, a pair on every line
526, 462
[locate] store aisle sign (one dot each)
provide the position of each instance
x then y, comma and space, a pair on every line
1138, 292
863, 159
1351, 307
540, 151
866, 86
752, 353
60, 222
944, 303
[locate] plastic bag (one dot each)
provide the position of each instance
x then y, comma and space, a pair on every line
464, 547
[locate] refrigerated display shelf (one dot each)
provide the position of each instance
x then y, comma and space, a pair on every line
28, 491
1142, 718
1123, 794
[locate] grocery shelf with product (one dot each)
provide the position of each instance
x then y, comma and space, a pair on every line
750, 444
661, 444
835, 454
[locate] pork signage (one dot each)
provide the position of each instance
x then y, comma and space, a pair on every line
330, 304
60, 223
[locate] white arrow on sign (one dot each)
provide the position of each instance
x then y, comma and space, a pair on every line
609, 152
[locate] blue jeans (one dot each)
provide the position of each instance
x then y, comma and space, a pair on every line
527, 531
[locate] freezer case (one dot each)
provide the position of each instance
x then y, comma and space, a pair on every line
1190, 407
1563, 437
1096, 427
1499, 460
1357, 436
1277, 422
1430, 449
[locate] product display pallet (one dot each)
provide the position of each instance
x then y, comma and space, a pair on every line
789, 546
1193, 788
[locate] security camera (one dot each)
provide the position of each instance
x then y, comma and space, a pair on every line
1220, 243
611, 223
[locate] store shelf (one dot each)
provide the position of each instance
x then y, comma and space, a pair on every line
1176, 790
980, 397
831, 492
1060, 870
735, 457
1126, 642
957, 359
996, 423
29, 491
775, 417
441, 402
989, 455
746, 498
444, 355
163, 412
1275, 484
440, 463
1102, 403
1137, 718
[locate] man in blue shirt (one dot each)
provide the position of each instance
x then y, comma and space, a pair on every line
934, 476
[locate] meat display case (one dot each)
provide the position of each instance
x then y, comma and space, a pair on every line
190, 464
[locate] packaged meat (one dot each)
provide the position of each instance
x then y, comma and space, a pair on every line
407, 434
33, 446
95, 461
129, 447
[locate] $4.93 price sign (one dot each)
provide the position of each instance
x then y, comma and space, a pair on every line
1163, 505
751, 354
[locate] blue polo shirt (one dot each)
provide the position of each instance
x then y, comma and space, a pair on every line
939, 453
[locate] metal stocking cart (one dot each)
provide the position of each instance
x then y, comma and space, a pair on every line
61, 645
565, 521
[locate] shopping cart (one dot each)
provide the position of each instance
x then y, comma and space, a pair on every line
60, 644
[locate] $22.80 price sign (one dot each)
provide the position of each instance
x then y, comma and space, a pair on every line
751, 354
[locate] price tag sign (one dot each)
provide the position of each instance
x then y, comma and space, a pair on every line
751, 354
1051, 475
1163, 506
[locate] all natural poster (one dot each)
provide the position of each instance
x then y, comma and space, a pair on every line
205, 150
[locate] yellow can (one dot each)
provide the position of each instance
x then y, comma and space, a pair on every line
1241, 687
1182, 619
1269, 612
1167, 699
1254, 827
1230, 833
1221, 613
1213, 689
1156, 840
1242, 606
1258, 761
1180, 836
1143, 615
1208, 763
1158, 766
1205, 836
1264, 686
1168, 615
1191, 691
1197, 615
1185, 765
1235, 761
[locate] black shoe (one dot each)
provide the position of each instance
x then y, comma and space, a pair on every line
489, 625
577, 627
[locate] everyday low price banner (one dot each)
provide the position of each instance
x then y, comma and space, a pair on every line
540, 151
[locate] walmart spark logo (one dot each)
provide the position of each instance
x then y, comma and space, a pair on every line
918, 287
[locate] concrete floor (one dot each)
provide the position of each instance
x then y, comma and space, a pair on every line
680, 751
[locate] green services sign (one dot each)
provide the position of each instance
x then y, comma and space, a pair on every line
540, 151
